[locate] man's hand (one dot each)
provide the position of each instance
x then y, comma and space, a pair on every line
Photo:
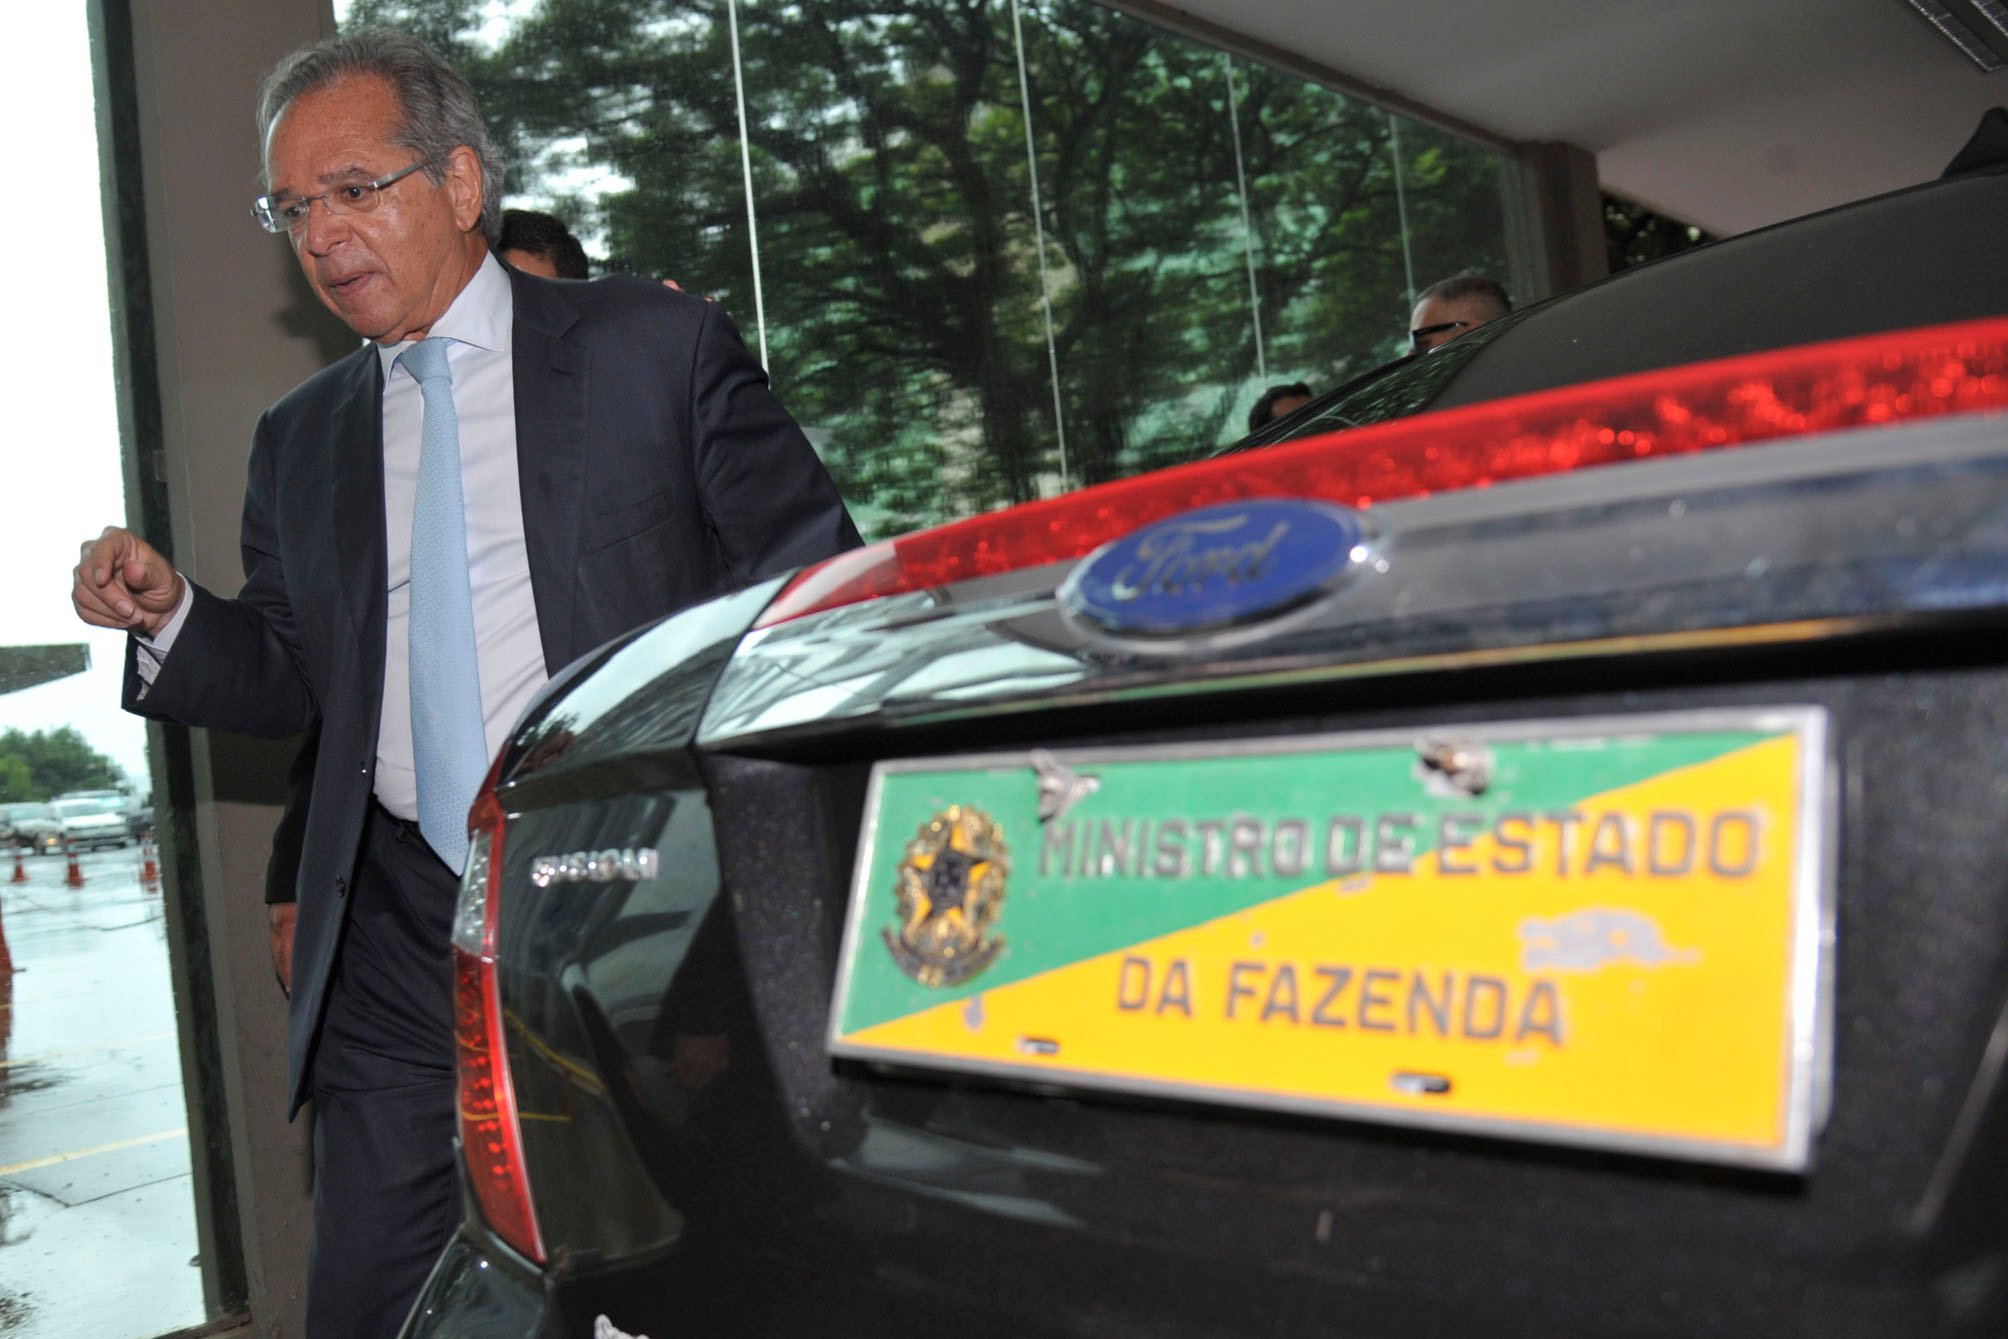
281, 915
121, 582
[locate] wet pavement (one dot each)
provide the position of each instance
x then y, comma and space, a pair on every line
97, 1216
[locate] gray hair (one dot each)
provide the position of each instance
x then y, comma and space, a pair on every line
440, 110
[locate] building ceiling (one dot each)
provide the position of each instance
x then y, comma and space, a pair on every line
1726, 113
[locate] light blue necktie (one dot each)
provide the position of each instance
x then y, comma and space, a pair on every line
449, 746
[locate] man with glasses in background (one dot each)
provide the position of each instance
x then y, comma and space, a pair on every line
1452, 306
511, 472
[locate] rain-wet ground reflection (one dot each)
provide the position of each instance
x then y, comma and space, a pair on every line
97, 1223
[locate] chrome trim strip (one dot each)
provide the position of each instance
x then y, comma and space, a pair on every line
1810, 539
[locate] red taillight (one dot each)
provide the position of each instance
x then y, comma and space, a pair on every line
1815, 388
491, 1141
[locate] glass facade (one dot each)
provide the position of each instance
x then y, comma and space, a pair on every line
989, 251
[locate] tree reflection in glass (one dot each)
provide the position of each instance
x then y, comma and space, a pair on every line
899, 258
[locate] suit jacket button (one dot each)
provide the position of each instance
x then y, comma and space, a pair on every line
341, 886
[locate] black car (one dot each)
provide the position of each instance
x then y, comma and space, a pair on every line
1516, 850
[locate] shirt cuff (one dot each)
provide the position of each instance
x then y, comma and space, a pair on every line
151, 651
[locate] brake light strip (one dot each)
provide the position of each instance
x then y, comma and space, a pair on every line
491, 1138
1867, 381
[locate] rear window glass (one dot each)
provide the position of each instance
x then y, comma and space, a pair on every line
1393, 390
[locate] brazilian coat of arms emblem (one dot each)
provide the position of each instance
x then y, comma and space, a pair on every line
950, 888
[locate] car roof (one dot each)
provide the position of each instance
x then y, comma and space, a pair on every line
1927, 255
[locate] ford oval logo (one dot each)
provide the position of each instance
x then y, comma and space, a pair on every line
1216, 568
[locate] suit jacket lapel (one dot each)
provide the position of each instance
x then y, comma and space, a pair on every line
354, 466
552, 430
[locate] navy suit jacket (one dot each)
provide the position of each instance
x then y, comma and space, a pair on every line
657, 469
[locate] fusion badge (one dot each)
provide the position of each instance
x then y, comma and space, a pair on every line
631, 864
950, 888
1216, 568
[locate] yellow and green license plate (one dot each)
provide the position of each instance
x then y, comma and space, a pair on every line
1607, 931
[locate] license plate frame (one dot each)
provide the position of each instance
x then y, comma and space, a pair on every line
1054, 896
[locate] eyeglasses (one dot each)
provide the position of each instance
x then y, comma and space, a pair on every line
288, 213
1421, 333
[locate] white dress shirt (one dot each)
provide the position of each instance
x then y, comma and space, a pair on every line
508, 646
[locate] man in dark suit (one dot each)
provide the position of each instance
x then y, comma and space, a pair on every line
612, 452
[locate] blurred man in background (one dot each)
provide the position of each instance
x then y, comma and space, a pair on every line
1449, 308
540, 244
1278, 402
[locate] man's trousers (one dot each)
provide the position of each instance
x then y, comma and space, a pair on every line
386, 1198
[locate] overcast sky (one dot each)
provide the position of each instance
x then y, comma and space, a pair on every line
62, 479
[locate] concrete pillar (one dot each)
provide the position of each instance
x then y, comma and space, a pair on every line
1561, 220
212, 322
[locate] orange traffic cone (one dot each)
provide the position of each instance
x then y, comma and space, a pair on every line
149, 869
75, 877
6, 970
20, 874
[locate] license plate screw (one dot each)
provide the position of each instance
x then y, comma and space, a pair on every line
1453, 767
